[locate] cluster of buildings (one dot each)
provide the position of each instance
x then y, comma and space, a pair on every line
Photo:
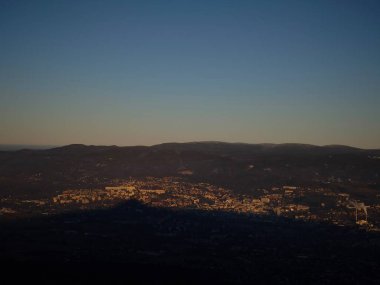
172, 192
304, 203
5, 210
80, 196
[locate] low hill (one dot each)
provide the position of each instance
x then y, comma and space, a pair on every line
236, 165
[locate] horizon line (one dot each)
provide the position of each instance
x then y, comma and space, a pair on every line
17, 146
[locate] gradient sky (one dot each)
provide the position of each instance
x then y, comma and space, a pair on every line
146, 72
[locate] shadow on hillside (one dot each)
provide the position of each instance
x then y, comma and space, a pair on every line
134, 243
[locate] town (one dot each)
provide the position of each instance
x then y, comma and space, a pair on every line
301, 203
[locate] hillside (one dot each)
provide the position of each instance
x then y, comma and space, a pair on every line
244, 167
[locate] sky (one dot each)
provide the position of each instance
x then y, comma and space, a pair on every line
147, 72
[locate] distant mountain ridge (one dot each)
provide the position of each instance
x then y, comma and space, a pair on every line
236, 165
15, 147
262, 147
196, 145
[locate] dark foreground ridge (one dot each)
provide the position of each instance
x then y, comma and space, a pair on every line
134, 243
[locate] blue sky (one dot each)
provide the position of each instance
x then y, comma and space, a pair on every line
146, 72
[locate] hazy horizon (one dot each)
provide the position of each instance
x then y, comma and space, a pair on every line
15, 147
148, 72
